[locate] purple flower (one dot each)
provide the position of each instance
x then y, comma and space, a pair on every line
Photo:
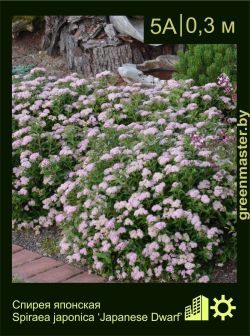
205, 199
224, 82
59, 218
203, 279
23, 191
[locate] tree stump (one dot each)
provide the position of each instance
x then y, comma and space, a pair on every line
92, 45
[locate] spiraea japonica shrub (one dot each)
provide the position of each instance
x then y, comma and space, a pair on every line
140, 181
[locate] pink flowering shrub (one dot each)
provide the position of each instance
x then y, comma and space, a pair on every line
140, 181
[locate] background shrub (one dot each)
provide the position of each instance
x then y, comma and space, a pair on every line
205, 62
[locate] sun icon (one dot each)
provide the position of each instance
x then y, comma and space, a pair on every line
218, 306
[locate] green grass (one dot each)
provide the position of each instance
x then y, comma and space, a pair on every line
50, 246
17, 280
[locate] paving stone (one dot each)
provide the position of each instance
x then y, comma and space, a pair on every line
16, 248
57, 274
35, 267
24, 256
85, 278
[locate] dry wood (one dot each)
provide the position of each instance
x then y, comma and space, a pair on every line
92, 45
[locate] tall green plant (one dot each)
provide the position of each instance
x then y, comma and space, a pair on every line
205, 62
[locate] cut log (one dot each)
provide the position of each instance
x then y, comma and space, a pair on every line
91, 44
53, 27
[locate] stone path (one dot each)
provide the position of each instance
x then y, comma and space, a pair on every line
32, 267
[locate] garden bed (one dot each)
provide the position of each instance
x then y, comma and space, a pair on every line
140, 182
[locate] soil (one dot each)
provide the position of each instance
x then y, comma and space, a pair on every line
26, 50
225, 274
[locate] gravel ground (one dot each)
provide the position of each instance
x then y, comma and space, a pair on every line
38, 243
225, 274
46, 244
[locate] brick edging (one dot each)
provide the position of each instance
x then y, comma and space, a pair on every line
33, 267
